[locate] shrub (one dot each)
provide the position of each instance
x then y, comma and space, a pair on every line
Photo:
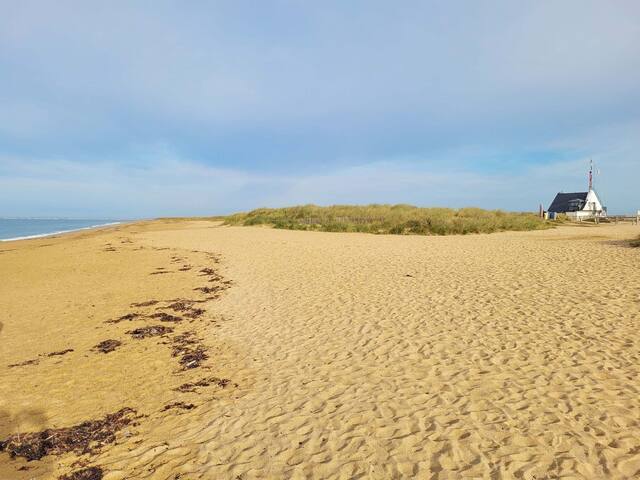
392, 219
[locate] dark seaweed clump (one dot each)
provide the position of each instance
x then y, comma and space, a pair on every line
107, 346
191, 352
34, 361
91, 473
205, 382
180, 305
150, 331
61, 352
165, 317
181, 405
128, 317
86, 437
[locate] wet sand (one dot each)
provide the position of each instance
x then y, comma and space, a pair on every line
288, 354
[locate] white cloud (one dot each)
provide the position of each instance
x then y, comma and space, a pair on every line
160, 183
399, 91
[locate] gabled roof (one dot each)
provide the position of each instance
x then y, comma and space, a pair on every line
568, 202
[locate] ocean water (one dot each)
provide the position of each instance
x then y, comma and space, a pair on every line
22, 228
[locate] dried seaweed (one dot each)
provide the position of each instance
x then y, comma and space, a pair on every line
165, 317
61, 352
181, 405
209, 289
34, 361
148, 303
186, 306
194, 313
205, 382
180, 306
90, 473
87, 437
191, 352
128, 317
107, 346
150, 331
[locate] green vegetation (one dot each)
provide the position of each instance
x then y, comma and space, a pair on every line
191, 219
394, 219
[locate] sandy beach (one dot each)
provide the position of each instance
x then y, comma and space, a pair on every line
253, 353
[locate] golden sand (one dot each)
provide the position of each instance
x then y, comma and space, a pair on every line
512, 355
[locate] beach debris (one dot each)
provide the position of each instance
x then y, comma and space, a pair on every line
194, 313
181, 405
34, 361
107, 346
87, 437
150, 331
208, 289
165, 317
148, 303
90, 473
191, 352
205, 382
128, 317
186, 306
180, 305
61, 352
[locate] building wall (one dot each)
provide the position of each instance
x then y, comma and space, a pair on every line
581, 215
593, 204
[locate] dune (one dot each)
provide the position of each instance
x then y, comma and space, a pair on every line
194, 350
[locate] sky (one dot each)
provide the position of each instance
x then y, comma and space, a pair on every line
130, 109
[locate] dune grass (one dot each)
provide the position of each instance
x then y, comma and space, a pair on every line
390, 219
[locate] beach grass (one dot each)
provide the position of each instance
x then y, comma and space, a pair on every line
390, 219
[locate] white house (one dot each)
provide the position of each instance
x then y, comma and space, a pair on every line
579, 205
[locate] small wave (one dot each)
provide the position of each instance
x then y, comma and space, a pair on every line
41, 235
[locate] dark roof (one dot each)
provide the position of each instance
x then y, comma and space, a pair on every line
568, 202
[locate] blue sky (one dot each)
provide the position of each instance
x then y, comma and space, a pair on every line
149, 108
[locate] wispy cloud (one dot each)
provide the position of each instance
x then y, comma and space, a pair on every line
159, 182
489, 103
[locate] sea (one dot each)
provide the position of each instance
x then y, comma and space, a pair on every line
23, 228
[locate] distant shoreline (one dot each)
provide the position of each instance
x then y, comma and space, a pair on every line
59, 232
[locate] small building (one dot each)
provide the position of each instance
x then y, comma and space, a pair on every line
579, 205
